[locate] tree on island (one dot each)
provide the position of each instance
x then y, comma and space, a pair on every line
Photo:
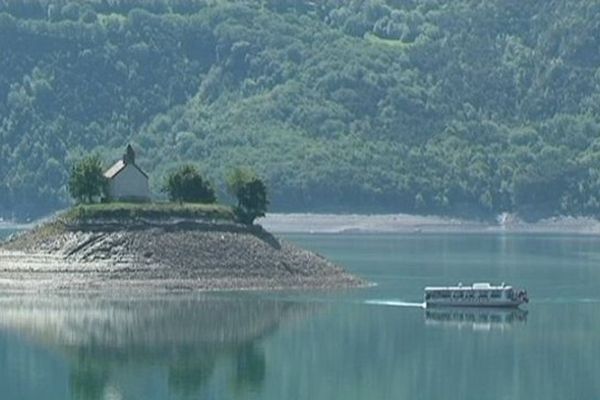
251, 194
186, 184
87, 182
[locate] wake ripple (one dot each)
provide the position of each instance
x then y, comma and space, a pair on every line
394, 303
567, 301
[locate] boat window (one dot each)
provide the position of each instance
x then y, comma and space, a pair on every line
496, 294
483, 294
427, 296
457, 295
469, 295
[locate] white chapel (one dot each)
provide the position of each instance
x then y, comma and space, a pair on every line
126, 180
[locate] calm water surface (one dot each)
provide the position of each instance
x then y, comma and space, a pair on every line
374, 343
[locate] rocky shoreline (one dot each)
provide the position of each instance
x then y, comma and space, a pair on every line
160, 255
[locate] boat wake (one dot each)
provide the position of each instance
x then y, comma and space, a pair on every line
567, 301
394, 303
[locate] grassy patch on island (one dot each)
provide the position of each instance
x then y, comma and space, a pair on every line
148, 210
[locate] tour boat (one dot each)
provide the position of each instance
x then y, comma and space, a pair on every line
477, 295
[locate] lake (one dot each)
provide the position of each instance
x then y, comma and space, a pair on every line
373, 343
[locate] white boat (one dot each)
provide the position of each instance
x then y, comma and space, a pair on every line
477, 295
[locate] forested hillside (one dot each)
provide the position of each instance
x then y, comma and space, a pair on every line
432, 106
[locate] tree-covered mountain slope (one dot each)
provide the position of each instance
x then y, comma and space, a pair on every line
428, 106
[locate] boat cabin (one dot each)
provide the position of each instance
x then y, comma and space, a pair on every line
476, 294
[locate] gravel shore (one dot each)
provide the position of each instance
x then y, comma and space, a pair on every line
160, 256
406, 223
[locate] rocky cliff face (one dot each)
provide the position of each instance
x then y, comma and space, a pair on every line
160, 255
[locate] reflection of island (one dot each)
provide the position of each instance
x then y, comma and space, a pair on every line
187, 337
475, 318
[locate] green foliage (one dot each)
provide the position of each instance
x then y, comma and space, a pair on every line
465, 107
237, 178
251, 194
147, 210
87, 183
186, 184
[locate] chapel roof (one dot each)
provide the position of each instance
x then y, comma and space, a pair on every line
128, 159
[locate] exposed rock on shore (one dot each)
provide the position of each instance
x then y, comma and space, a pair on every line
160, 255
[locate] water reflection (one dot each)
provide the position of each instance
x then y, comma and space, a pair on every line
475, 318
187, 338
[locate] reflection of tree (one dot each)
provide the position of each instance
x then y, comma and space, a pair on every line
250, 369
88, 379
187, 376
188, 336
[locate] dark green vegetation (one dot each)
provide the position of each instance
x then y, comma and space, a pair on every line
187, 184
468, 106
192, 196
86, 181
251, 194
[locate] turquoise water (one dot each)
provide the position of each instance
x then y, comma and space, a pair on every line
374, 343
4, 232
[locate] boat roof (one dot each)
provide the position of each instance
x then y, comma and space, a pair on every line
475, 286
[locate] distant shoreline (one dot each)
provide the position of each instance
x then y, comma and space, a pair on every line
16, 226
406, 223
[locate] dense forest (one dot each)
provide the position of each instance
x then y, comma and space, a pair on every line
469, 107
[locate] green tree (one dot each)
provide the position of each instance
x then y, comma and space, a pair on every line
251, 194
187, 184
87, 182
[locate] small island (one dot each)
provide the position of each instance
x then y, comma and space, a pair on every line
115, 239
